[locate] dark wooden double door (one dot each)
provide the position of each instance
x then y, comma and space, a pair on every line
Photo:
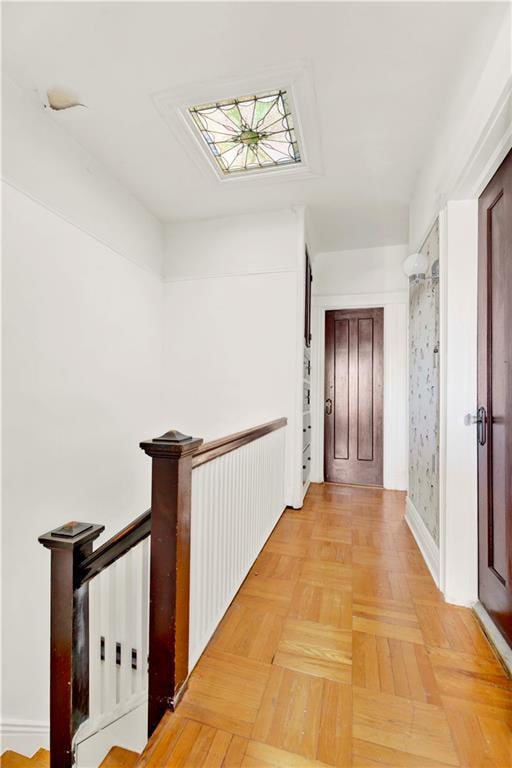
353, 426
494, 427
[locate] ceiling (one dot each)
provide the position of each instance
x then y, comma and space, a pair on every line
382, 75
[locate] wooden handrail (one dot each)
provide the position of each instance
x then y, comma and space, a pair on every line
117, 546
74, 564
215, 448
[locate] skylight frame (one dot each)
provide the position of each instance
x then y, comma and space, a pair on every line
240, 136
296, 78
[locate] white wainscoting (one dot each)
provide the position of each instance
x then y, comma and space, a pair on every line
236, 501
118, 612
395, 381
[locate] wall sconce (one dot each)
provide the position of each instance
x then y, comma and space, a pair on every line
415, 267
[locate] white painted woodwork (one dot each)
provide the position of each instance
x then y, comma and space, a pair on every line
395, 381
236, 501
119, 612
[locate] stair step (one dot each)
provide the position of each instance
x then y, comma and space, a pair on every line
14, 760
120, 758
41, 759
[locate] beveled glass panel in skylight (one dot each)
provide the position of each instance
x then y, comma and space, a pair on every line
248, 133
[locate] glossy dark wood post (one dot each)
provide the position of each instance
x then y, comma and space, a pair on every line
69, 638
170, 570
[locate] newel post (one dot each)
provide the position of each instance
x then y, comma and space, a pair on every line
69, 636
169, 571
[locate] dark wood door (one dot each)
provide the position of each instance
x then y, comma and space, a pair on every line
353, 396
494, 430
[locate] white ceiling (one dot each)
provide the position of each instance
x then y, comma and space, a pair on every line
383, 75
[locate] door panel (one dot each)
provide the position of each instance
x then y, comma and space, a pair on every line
495, 397
353, 392
365, 389
341, 380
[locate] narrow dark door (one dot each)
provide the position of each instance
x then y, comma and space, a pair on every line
494, 430
353, 396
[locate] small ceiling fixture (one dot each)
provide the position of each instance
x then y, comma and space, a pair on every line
60, 99
249, 133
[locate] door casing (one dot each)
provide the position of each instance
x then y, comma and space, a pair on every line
395, 304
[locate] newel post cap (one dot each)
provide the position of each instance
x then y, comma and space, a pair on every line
173, 444
71, 535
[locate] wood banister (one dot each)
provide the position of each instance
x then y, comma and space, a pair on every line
215, 448
169, 581
74, 564
117, 546
69, 636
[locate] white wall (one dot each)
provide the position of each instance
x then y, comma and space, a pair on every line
366, 270
233, 333
370, 277
476, 131
82, 362
233, 245
82, 386
40, 158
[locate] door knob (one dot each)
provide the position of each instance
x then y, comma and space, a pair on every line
328, 406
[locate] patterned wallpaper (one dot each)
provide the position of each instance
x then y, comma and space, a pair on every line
424, 393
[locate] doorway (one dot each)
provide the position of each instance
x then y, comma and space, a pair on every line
494, 426
353, 408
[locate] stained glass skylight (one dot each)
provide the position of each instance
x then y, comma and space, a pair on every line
248, 133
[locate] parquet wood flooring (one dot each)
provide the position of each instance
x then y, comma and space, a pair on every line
339, 650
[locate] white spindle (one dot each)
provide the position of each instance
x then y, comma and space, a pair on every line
119, 612
236, 501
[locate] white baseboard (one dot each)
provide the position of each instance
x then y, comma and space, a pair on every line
24, 736
424, 540
129, 731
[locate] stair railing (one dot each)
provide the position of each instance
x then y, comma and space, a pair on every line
74, 564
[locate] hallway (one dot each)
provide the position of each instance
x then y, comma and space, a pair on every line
339, 650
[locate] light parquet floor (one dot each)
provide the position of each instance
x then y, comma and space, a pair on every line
339, 651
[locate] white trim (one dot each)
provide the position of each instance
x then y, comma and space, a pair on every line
458, 470
443, 303
93, 725
295, 492
366, 300
24, 736
488, 152
296, 79
424, 540
24, 726
395, 397
241, 273
85, 230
